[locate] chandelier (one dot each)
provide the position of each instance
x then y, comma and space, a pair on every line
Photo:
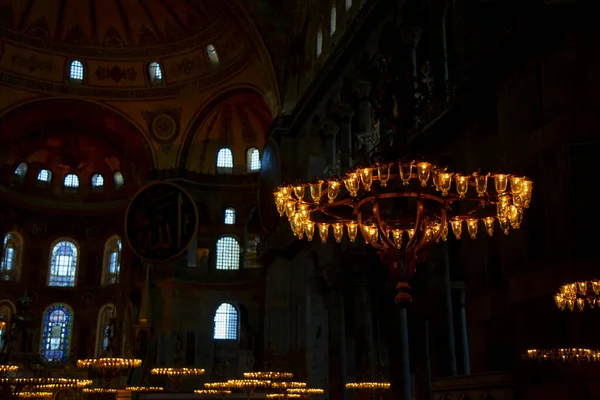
402, 208
563, 355
578, 294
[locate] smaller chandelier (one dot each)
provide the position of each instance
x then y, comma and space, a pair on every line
288, 385
5, 369
35, 395
105, 364
99, 390
268, 375
213, 392
306, 391
217, 385
142, 389
177, 372
376, 386
578, 294
283, 396
248, 383
563, 355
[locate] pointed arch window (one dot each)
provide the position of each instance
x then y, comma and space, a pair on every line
253, 159
105, 329
76, 71
229, 216
112, 261
228, 253
119, 180
213, 56
71, 183
333, 21
225, 159
44, 177
64, 258
57, 324
6, 313
226, 322
12, 257
319, 48
155, 72
21, 172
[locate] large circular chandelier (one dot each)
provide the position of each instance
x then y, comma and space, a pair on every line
577, 294
402, 208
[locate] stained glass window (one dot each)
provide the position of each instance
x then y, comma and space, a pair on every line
253, 159
229, 216
106, 313
56, 333
76, 73
10, 265
225, 158
112, 261
63, 264
226, 322
228, 253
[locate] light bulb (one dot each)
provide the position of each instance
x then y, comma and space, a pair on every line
383, 172
424, 171
457, 227
316, 191
323, 231
352, 228
333, 188
366, 177
462, 185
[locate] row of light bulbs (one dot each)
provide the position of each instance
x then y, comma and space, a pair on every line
577, 294
441, 179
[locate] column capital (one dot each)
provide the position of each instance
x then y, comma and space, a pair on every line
362, 88
329, 128
411, 34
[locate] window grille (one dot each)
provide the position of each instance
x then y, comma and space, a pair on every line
226, 322
228, 253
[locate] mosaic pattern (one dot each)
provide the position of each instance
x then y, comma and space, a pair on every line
56, 333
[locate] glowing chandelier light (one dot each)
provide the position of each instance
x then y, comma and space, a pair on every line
175, 373
578, 294
402, 208
7, 368
268, 375
109, 364
563, 355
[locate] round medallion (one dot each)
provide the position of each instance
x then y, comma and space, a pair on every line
163, 128
270, 177
160, 222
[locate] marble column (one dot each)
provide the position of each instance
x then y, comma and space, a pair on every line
405, 356
363, 322
448, 314
345, 112
330, 129
364, 132
427, 354
463, 334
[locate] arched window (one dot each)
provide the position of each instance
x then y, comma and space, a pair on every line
57, 324
112, 261
64, 258
226, 322
348, 4
44, 177
155, 72
97, 183
21, 172
212, 54
229, 216
6, 312
107, 313
333, 21
12, 257
225, 158
76, 72
71, 183
253, 159
119, 181
319, 41
228, 253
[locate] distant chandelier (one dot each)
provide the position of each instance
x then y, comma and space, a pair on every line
578, 294
402, 208
562, 355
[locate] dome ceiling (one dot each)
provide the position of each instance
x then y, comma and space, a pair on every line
112, 23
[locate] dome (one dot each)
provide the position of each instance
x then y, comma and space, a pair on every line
119, 25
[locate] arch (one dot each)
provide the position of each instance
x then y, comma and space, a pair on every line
44, 177
213, 56
71, 183
111, 263
105, 314
7, 310
228, 253
64, 262
229, 218
224, 160
76, 71
21, 172
12, 256
203, 113
23, 121
226, 322
155, 72
57, 325
253, 159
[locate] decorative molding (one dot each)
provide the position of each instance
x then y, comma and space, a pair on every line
32, 63
116, 74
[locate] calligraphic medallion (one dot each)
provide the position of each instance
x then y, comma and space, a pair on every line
160, 222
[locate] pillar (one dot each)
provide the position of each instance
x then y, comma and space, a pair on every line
448, 314
345, 112
330, 130
337, 344
364, 132
363, 322
463, 334
317, 332
405, 356
411, 34
428, 392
